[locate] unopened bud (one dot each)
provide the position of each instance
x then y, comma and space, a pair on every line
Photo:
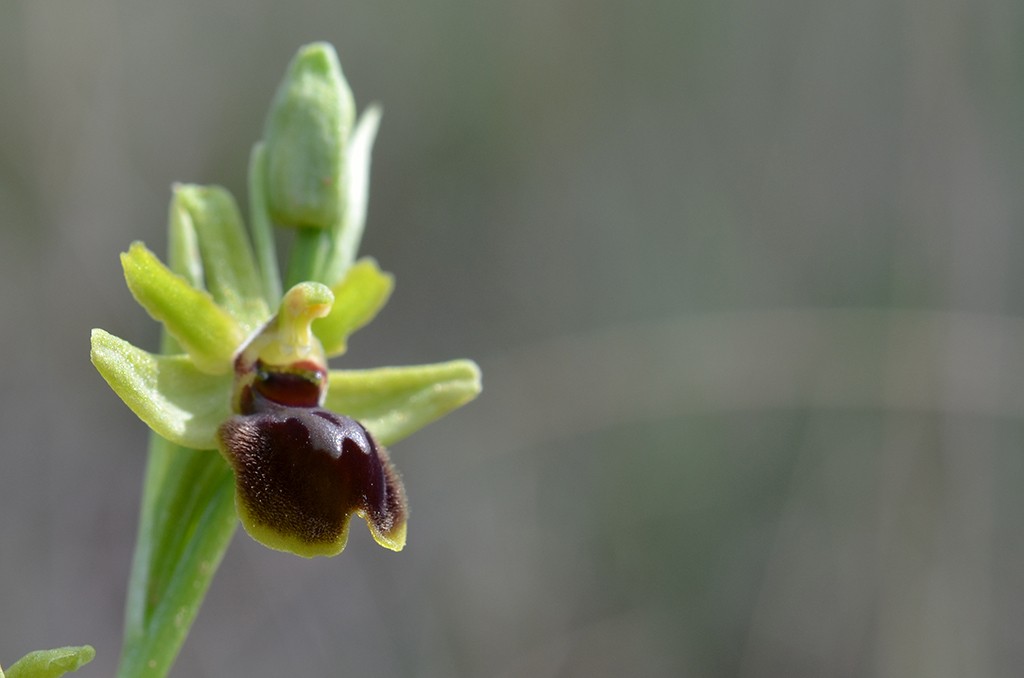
306, 134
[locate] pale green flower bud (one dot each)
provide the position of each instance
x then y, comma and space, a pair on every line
306, 133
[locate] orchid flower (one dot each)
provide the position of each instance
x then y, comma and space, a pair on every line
248, 418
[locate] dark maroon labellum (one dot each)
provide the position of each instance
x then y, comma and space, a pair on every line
303, 471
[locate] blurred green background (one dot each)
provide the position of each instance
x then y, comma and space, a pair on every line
740, 276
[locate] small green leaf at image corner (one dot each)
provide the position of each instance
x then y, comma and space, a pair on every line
50, 663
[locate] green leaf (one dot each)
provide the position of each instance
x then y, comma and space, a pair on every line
186, 523
357, 299
344, 243
169, 393
393, 402
205, 330
51, 663
306, 131
227, 257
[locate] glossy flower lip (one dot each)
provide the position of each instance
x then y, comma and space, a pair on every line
303, 472
191, 397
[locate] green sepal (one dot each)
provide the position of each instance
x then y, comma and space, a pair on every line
344, 243
306, 131
183, 256
261, 226
393, 402
167, 392
51, 663
228, 262
206, 331
357, 299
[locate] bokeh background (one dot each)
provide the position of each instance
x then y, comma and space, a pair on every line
742, 278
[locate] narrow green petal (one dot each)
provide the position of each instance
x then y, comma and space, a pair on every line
51, 663
393, 402
168, 393
228, 260
357, 299
204, 329
345, 241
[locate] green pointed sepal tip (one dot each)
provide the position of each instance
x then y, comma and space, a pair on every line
358, 298
167, 392
51, 663
394, 402
306, 132
205, 330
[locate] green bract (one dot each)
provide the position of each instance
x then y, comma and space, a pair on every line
243, 368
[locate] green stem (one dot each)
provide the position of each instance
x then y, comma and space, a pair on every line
309, 249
